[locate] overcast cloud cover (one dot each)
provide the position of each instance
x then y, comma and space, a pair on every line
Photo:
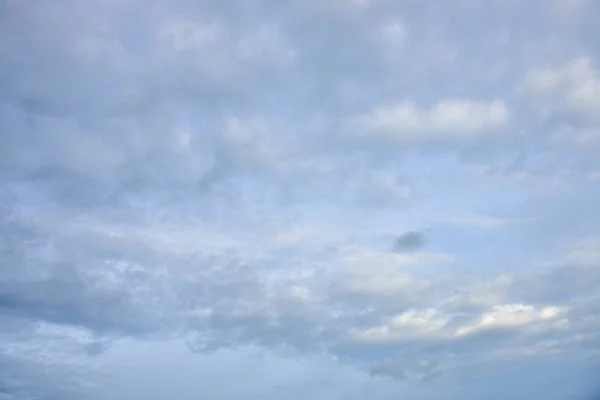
267, 199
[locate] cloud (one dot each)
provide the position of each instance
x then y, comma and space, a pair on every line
575, 85
511, 315
421, 370
394, 35
432, 324
419, 324
581, 253
191, 192
42, 360
451, 118
572, 9
483, 221
409, 241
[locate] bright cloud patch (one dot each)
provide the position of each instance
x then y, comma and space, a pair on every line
576, 84
454, 117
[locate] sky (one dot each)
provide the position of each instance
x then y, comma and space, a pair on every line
300, 199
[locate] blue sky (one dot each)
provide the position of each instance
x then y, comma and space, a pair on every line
334, 199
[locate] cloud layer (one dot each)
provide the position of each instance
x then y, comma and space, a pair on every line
326, 199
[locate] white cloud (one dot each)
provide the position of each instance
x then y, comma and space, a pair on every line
452, 118
433, 324
511, 316
575, 85
412, 324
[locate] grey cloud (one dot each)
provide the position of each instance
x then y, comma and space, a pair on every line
409, 241
393, 371
62, 290
420, 370
194, 93
95, 348
40, 365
